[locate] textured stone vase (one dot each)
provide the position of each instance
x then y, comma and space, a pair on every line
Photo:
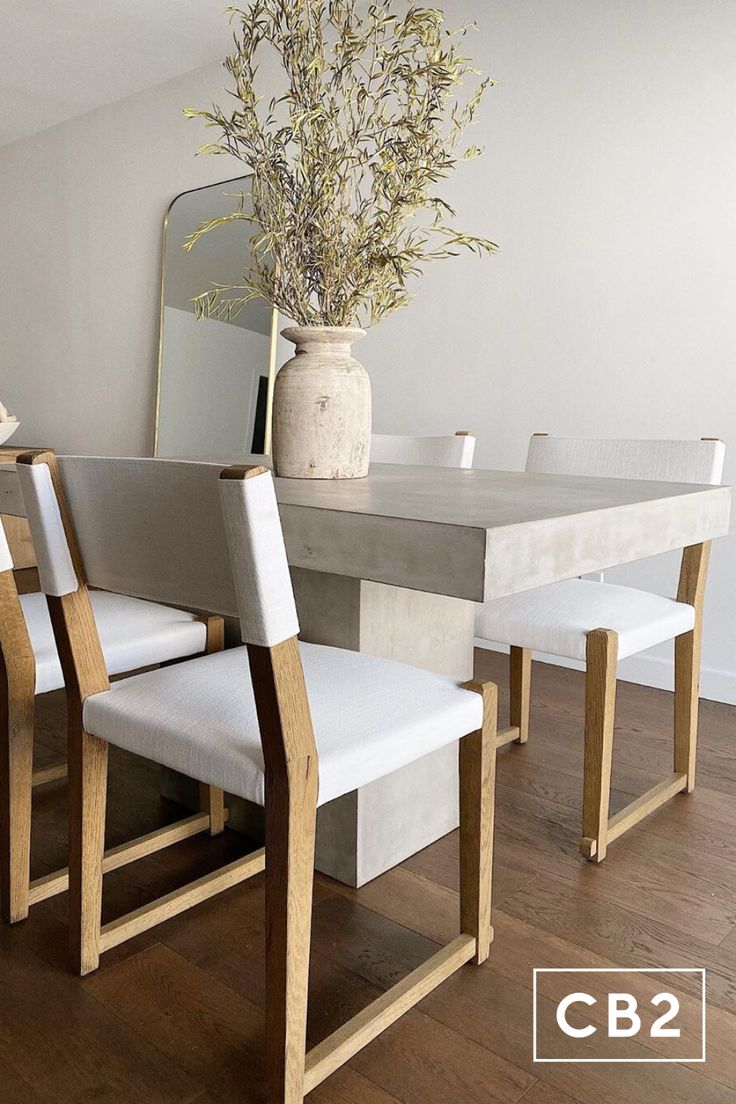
322, 407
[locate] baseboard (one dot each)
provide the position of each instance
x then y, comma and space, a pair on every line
647, 670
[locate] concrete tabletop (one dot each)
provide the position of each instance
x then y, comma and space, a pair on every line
475, 534
483, 534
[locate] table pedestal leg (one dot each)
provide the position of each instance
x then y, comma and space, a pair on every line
366, 832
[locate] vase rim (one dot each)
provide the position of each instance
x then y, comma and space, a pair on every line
333, 334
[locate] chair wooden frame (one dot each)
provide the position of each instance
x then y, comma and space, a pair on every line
291, 774
18, 778
598, 829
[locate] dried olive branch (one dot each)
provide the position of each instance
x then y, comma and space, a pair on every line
346, 159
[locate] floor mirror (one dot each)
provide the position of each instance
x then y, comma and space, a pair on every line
215, 377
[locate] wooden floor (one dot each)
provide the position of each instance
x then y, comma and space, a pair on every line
175, 1017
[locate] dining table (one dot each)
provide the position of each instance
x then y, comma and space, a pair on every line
394, 565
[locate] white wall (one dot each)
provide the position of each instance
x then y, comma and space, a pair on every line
608, 182
80, 264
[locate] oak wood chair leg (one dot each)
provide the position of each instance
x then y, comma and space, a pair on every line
600, 706
691, 589
291, 813
211, 798
212, 802
87, 803
477, 802
520, 681
687, 702
17, 696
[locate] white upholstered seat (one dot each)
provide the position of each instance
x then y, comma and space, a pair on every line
556, 618
133, 634
199, 718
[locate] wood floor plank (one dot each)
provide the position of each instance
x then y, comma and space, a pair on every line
438, 863
489, 1008
412, 900
14, 1090
501, 1016
622, 936
215, 1034
381, 951
541, 1092
607, 1083
56, 1037
686, 901
420, 1060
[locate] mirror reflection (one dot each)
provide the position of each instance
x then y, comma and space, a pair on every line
214, 376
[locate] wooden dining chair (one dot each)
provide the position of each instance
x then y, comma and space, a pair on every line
285, 724
133, 634
452, 451
600, 623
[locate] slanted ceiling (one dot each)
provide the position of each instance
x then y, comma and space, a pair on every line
63, 58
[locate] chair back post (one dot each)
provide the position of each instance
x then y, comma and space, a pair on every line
276, 667
269, 628
282, 707
694, 575
15, 643
72, 619
17, 697
694, 571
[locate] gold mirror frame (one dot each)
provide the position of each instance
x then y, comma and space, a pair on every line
274, 324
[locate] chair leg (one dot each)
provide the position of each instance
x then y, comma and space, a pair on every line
212, 802
87, 802
687, 701
600, 705
477, 801
291, 813
211, 798
16, 786
520, 679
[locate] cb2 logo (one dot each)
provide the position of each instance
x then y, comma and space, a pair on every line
624, 1020
609, 1014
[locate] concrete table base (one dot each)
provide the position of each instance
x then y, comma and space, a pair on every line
365, 833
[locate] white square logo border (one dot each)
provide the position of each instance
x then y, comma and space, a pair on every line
616, 970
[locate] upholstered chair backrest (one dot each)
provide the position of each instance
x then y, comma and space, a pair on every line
154, 529
668, 461
56, 571
11, 500
16, 653
454, 451
258, 557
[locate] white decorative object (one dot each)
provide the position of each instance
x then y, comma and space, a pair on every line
322, 407
8, 424
7, 429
